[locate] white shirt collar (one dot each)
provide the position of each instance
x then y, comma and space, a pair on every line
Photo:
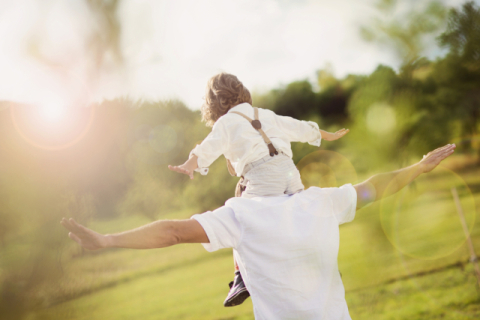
242, 106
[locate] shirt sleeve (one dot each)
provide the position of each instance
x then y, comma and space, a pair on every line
299, 130
211, 148
344, 201
222, 228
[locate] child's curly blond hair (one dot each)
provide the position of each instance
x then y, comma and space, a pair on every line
224, 91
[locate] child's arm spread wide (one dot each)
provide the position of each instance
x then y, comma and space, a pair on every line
203, 155
299, 131
306, 131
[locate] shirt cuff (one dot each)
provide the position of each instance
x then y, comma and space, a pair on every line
213, 242
202, 170
353, 206
318, 140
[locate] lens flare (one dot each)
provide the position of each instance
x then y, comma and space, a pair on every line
56, 133
381, 118
421, 220
326, 169
53, 111
61, 119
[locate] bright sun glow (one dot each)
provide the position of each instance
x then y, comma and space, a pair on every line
53, 111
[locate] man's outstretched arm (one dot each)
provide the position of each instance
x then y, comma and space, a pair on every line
385, 184
158, 234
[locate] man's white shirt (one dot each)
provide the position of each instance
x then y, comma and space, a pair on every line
287, 248
233, 136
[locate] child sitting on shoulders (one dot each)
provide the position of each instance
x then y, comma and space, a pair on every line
256, 144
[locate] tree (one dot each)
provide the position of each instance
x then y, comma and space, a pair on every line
458, 75
406, 34
462, 36
296, 100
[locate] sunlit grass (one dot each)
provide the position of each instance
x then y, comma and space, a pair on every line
186, 282
196, 291
193, 289
448, 294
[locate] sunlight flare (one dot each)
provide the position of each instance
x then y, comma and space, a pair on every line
53, 111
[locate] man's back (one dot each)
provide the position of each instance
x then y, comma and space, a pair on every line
286, 248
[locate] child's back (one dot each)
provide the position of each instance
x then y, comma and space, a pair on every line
227, 105
264, 175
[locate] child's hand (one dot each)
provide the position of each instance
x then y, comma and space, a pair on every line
334, 136
187, 168
182, 169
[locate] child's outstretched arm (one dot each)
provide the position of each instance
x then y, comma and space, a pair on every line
333, 136
205, 153
188, 167
306, 131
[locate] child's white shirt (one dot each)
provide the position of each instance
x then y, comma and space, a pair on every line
234, 137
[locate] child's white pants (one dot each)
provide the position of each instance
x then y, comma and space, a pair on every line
271, 176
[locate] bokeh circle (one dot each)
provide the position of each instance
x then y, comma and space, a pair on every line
422, 220
325, 169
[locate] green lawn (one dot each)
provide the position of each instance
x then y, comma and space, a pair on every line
380, 257
197, 291
448, 294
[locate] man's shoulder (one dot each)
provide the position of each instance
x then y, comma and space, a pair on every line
344, 193
329, 190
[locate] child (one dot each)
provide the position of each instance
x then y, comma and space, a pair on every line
256, 144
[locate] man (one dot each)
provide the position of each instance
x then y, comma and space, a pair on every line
286, 247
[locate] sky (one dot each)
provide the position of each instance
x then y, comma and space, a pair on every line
171, 48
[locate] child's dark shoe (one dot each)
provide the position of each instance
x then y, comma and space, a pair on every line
238, 292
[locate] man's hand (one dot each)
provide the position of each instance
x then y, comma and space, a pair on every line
333, 136
433, 158
85, 237
187, 168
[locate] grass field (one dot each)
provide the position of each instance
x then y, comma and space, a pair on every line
185, 294
413, 268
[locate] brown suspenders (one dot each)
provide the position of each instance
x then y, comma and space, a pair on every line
258, 126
